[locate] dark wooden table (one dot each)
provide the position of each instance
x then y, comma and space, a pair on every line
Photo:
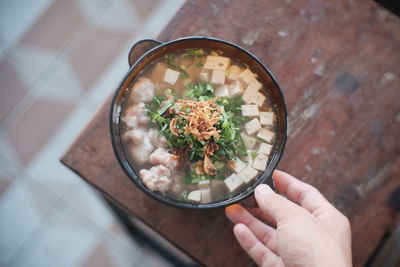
339, 64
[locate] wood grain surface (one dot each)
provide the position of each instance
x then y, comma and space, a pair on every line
339, 64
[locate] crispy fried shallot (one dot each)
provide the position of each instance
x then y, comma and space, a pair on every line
201, 118
209, 167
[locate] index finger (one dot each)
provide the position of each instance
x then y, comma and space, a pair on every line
299, 192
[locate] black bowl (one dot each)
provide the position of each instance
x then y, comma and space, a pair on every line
147, 51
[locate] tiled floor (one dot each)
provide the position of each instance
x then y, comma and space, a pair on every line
59, 60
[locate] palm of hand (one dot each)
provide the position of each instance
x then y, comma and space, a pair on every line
312, 234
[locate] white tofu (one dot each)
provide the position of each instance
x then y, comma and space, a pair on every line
248, 141
267, 118
235, 89
251, 92
171, 76
233, 182
246, 77
237, 165
217, 63
266, 135
259, 99
218, 77
233, 72
248, 97
254, 86
222, 91
248, 174
205, 196
260, 162
250, 110
204, 184
195, 196
205, 75
265, 148
252, 126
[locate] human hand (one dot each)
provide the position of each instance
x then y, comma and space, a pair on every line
302, 230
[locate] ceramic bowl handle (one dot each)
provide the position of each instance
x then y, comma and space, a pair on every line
139, 48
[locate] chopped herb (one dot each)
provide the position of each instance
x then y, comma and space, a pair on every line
254, 154
191, 53
173, 64
184, 195
219, 165
165, 107
200, 91
195, 54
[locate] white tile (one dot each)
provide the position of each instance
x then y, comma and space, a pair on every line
18, 16
92, 10
117, 233
8, 158
55, 177
123, 253
63, 86
66, 243
119, 16
21, 211
30, 62
89, 204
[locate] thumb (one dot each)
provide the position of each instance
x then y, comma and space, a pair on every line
276, 206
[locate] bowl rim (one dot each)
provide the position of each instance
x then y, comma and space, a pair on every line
124, 163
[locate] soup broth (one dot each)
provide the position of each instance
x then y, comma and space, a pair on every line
198, 126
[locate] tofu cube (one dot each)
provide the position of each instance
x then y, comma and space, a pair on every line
259, 99
205, 196
195, 196
204, 184
205, 75
265, 148
251, 92
237, 165
266, 135
233, 73
260, 162
248, 174
267, 118
222, 91
217, 63
246, 77
218, 77
235, 89
254, 86
252, 126
248, 97
233, 182
250, 110
171, 76
248, 141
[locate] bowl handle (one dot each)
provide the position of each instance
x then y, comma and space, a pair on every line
139, 48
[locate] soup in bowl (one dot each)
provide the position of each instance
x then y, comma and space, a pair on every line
198, 123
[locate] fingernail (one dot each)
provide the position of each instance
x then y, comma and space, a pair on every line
263, 189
